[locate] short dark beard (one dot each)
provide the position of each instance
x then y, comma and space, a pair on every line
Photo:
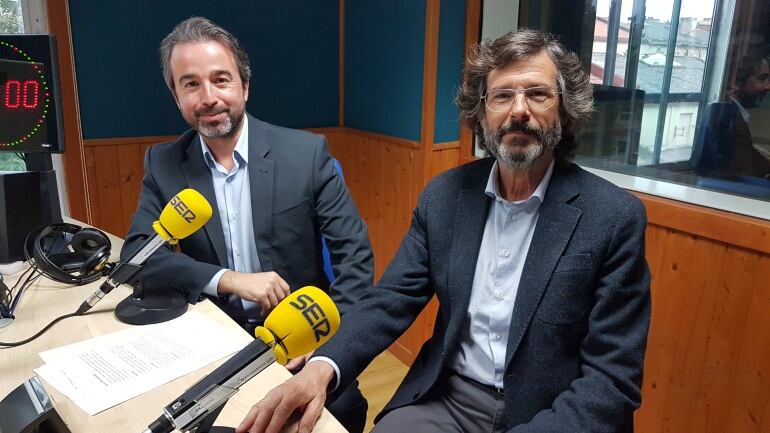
547, 140
222, 131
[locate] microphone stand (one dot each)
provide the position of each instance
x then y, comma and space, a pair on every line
144, 307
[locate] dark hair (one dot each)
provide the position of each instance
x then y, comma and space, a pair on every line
577, 99
748, 66
199, 29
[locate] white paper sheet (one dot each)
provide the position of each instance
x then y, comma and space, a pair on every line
107, 370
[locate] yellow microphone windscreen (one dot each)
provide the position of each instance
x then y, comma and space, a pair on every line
300, 323
183, 215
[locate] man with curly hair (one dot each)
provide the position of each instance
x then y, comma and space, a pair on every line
538, 267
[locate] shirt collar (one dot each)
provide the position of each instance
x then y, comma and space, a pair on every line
741, 109
241, 151
493, 189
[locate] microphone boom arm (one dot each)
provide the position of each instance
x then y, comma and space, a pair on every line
202, 402
124, 271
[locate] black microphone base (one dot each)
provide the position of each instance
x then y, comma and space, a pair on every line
152, 308
220, 429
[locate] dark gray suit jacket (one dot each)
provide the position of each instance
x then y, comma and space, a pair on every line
296, 197
579, 326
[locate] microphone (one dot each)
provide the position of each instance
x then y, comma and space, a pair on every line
300, 323
183, 215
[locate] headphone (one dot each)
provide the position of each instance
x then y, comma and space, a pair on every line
69, 253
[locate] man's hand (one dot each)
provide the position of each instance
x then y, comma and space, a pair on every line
265, 288
297, 363
305, 391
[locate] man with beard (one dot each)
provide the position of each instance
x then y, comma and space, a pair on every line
538, 267
275, 193
730, 122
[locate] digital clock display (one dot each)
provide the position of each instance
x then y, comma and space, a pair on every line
27, 113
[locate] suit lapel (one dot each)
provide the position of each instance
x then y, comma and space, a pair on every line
198, 178
261, 180
556, 222
468, 230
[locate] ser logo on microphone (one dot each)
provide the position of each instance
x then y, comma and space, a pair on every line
182, 209
314, 314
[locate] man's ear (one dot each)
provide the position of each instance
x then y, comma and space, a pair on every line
246, 91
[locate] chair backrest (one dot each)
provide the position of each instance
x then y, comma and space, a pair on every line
324, 249
716, 141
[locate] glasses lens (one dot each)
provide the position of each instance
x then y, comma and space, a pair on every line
500, 100
538, 98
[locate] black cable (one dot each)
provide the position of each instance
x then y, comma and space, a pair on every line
5, 297
53, 322
30, 278
6, 293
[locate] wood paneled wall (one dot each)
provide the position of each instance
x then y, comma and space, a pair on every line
114, 169
707, 367
383, 176
380, 173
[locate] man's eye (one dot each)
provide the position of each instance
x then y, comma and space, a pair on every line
538, 94
189, 84
502, 96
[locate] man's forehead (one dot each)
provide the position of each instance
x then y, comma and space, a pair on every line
537, 67
214, 53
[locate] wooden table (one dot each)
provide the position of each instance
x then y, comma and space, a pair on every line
45, 300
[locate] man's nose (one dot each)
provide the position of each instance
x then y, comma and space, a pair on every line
519, 107
208, 96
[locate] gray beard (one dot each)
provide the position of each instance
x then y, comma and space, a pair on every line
226, 129
517, 157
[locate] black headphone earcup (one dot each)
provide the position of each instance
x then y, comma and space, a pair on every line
86, 242
95, 261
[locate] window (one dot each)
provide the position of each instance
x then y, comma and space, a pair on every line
11, 22
681, 93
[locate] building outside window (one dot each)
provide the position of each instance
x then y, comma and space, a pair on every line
681, 93
681, 90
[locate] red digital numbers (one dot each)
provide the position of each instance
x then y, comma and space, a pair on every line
21, 94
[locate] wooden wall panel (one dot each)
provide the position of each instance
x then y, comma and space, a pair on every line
379, 172
444, 157
707, 367
751, 397
114, 169
382, 174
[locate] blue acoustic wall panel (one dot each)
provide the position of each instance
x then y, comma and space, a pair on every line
451, 52
384, 44
292, 44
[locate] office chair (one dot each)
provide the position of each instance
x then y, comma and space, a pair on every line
324, 249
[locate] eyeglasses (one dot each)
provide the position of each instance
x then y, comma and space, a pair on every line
538, 98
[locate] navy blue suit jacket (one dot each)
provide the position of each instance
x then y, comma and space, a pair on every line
579, 326
296, 197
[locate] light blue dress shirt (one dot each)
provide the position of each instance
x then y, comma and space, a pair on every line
507, 235
233, 194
